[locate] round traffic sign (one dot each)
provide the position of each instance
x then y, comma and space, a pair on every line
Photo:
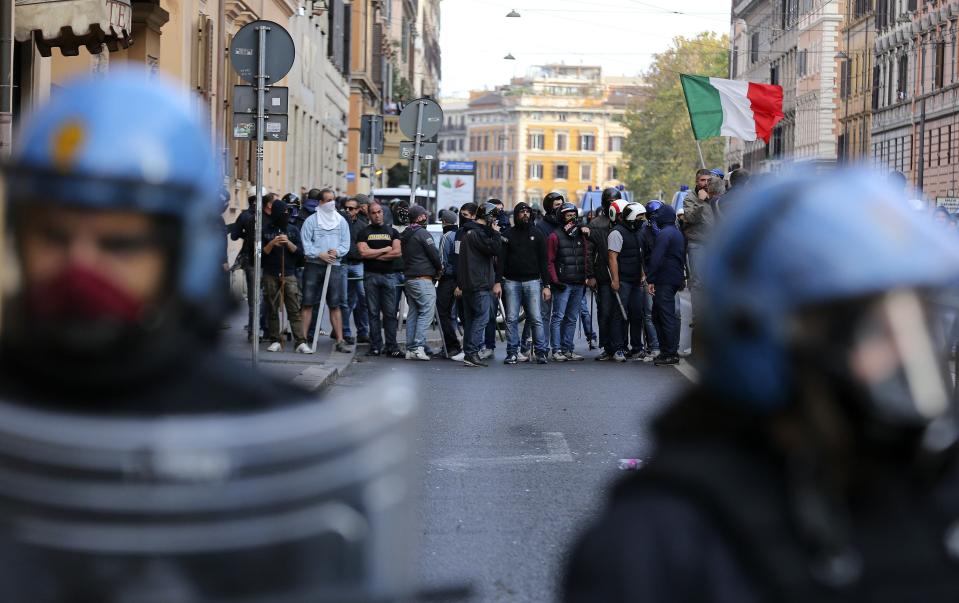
432, 118
279, 51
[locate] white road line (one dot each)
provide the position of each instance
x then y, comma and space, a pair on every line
557, 452
687, 371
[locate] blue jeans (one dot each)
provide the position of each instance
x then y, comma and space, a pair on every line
421, 298
667, 324
476, 312
381, 300
632, 295
652, 339
355, 302
562, 325
525, 294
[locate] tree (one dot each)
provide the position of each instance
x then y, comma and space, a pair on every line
660, 150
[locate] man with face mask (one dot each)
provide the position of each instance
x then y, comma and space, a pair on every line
816, 457
282, 251
599, 229
525, 284
422, 264
446, 290
625, 251
571, 271
326, 241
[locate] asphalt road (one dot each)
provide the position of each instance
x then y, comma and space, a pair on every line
517, 458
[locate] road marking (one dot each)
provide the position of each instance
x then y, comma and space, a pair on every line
556, 447
687, 371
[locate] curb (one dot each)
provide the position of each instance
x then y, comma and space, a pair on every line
317, 378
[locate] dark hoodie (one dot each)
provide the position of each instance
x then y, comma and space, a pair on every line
524, 252
420, 256
476, 270
666, 262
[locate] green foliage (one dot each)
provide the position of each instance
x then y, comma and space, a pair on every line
660, 150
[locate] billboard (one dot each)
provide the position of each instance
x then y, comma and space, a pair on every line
456, 183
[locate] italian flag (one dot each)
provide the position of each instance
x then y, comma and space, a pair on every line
737, 108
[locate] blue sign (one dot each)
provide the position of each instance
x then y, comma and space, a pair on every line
350, 176
457, 166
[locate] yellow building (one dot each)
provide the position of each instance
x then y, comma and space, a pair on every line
559, 129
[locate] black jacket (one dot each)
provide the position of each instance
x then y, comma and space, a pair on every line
244, 227
667, 264
480, 247
353, 255
599, 229
524, 255
420, 256
630, 258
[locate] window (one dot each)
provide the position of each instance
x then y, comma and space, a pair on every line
940, 64
585, 172
875, 87
774, 74
902, 79
616, 143
801, 64
562, 117
844, 79
536, 141
509, 170
560, 171
754, 48
561, 141
485, 142
587, 142
535, 169
612, 173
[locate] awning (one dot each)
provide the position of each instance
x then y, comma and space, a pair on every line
70, 24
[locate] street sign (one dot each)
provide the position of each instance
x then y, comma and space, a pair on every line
350, 176
244, 127
950, 203
453, 167
428, 150
371, 135
277, 99
279, 51
432, 118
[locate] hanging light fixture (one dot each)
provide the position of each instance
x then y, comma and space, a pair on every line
512, 14
509, 57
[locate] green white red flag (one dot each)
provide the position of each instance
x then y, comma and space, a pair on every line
719, 107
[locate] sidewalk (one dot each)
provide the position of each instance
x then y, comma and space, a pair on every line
310, 371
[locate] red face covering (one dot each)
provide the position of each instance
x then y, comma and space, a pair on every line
78, 294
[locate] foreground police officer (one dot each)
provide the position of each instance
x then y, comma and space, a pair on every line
137, 463
816, 458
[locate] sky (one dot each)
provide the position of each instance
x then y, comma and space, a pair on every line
619, 35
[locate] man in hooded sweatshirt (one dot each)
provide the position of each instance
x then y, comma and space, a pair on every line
525, 283
422, 264
665, 278
599, 229
476, 277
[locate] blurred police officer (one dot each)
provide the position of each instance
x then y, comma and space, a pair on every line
142, 465
816, 458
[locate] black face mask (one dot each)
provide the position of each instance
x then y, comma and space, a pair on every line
281, 220
464, 221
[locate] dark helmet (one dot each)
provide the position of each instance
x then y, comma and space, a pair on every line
568, 207
488, 211
609, 195
653, 206
551, 200
291, 200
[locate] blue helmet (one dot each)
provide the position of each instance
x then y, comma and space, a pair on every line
653, 206
718, 172
800, 242
127, 141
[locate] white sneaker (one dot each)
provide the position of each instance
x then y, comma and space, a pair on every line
650, 356
304, 349
485, 354
558, 357
276, 346
458, 357
521, 357
417, 354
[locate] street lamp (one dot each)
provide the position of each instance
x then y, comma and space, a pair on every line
513, 14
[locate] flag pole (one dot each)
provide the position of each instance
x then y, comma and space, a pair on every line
702, 161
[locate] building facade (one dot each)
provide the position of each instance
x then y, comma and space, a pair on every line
915, 125
558, 129
453, 141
